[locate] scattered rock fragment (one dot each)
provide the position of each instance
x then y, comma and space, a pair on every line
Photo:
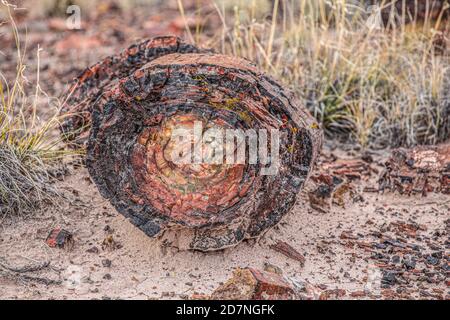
106, 263
409, 263
409, 229
432, 260
272, 268
60, 238
93, 250
306, 291
287, 250
331, 190
251, 284
349, 169
389, 279
332, 294
419, 170
320, 198
110, 244
409, 259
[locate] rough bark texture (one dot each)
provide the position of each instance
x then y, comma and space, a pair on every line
92, 82
219, 204
418, 170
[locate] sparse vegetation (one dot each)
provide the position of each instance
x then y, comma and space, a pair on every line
379, 87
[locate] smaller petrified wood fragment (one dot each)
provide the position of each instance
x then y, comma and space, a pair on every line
252, 284
60, 238
334, 182
418, 170
288, 251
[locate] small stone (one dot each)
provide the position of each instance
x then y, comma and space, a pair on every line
381, 246
106, 263
272, 268
93, 249
108, 229
251, 284
358, 294
388, 279
437, 255
409, 263
432, 260
287, 250
60, 238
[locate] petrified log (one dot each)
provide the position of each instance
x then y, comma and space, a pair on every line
419, 170
210, 204
287, 250
92, 82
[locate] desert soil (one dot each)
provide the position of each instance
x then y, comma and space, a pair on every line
344, 249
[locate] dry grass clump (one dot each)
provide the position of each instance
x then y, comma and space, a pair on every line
380, 87
29, 151
55, 8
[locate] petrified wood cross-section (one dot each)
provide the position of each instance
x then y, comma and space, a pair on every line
212, 205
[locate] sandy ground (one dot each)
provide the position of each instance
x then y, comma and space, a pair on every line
138, 267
